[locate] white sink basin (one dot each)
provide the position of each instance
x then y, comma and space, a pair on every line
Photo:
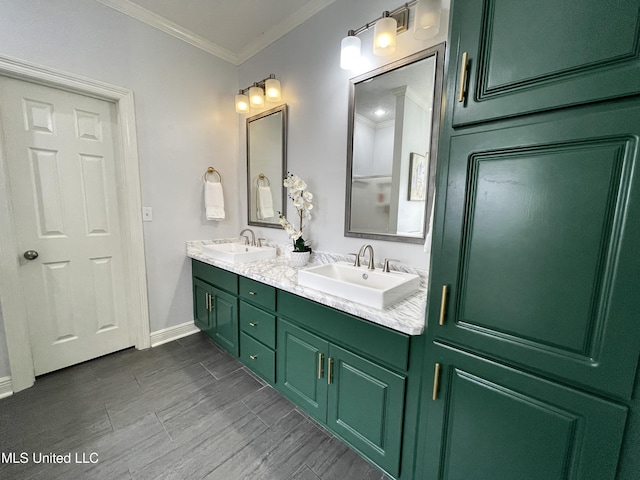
238, 252
373, 288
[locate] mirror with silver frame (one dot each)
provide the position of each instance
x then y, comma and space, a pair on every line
394, 119
266, 166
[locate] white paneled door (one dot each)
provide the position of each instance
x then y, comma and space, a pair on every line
60, 149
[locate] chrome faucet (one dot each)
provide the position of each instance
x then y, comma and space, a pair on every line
246, 239
362, 251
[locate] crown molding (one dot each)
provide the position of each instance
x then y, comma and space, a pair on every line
154, 20
296, 18
267, 38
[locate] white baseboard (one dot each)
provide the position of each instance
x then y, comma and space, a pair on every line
172, 333
6, 387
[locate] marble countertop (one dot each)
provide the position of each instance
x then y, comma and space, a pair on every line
407, 316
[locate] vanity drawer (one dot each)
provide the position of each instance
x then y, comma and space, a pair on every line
258, 358
258, 293
258, 324
215, 276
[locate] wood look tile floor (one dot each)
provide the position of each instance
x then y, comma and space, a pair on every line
183, 410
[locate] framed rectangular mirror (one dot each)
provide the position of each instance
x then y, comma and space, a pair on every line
266, 166
394, 119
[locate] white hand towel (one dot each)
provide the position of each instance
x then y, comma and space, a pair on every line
213, 201
264, 203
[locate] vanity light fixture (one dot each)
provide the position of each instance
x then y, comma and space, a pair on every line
387, 27
255, 95
384, 35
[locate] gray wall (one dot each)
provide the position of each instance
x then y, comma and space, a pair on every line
307, 62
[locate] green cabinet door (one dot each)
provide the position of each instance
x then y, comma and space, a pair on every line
539, 247
216, 313
301, 368
490, 421
366, 405
225, 320
529, 57
201, 312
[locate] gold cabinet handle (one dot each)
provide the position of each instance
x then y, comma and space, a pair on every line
463, 77
253, 357
329, 373
443, 304
253, 293
253, 324
436, 382
320, 365
206, 296
210, 302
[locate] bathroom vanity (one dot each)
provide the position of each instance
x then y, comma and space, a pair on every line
353, 368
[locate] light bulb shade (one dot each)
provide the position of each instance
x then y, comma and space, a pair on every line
256, 97
427, 21
350, 52
242, 103
272, 90
384, 36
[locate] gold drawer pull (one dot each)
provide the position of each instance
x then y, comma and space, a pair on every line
443, 304
329, 373
206, 296
253, 324
320, 365
436, 382
253, 357
463, 77
253, 293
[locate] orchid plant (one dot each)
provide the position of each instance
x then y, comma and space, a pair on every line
301, 198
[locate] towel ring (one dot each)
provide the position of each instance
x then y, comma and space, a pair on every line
262, 176
212, 170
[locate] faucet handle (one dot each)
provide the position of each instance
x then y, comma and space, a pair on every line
386, 264
259, 242
246, 239
356, 263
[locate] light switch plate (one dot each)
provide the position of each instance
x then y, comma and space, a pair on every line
147, 214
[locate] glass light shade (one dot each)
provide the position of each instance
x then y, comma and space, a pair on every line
350, 52
256, 97
242, 103
384, 36
272, 90
427, 19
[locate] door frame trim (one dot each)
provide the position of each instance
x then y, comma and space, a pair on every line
12, 298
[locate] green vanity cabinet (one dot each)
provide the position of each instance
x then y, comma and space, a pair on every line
499, 423
539, 247
532, 340
201, 309
357, 398
258, 327
359, 379
302, 374
366, 406
215, 310
524, 58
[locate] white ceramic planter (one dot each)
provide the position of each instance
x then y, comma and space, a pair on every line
299, 259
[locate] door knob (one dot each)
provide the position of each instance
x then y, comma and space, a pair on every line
30, 254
